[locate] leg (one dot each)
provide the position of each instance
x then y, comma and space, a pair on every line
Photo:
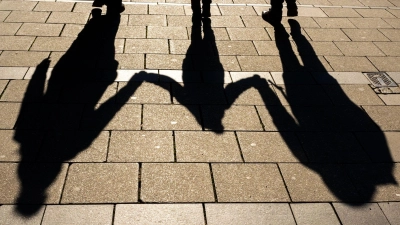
274, 15
292, 8
206, 8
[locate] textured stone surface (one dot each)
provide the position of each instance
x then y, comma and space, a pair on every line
314, 213
9, 28
15, 43
206, 147
169, 214
68, 17
367, 214
390, 210
101, 183
146, 46
177, 182
358, 94
146, 93
12, 72
9, 216
387, 117
8, 114
10, 150
277, 213
140, 146
78, 214
21, 58
28, 17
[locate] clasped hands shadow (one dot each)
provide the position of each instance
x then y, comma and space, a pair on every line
42, 115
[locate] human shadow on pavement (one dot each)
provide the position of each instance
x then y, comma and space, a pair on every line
65, 112
333, 133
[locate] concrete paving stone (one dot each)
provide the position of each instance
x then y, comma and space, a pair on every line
171, 117
179, 21
395, 76
359, 94
392, 34
217, 76
237, 10
37, 29
220, 34
390, 210
365, 35
3, 15
223, 2
321, 48
147, 20
318, 183
12, 73
168, 62
307, 11
334, 22
315, 2
34, 174
260, 63
176, 182
248, 183
341, 12
83, 7
8, 114
227, 21
126, 117
15, 42
254, 21
292, 78
314, 213
369, 23
326, 34
27, 17
389, 48
192, 146
17, 5
395, 12
303, 95
131, 32
268, 47
359, 49
271, 32
179, 46
395, 23
247, 213
375, 13
251, 1
332, 147
52, 43
217, 63
166, 9
270, 147
198, 93
119, 45
16, 89
78, 214
367, 214
9, 28
392, 99
251, 34
9, 216
306, 22
345, 3
372, 3
10, 148
132, 75
141, 146
351, 63
387, 141
243, 118
237, 76
72, 30
101, 183
235, 48
54, 6
167, 32
256, 94
128, 61
177, 76
214, 9
135, 9
3, 84
146, 46
387, 63
57, 147
387, 117
157, 93
68, 17
169, 214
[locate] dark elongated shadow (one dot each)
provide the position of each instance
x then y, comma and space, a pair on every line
65, 111
329, 133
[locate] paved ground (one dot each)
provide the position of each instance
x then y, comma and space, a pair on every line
144, 119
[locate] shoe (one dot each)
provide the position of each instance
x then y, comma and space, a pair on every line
206, 12
272, 17
292, 11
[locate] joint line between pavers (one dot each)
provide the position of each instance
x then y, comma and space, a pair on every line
213, 183
240, 149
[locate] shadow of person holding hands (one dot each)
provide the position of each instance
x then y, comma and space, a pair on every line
329, 131
59, 110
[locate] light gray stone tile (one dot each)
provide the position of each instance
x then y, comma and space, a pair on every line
392, 34
341, 12
395, 76
140, 146
235, 48
394, 22
389, 48
147, 20
177, 76
388, 63
52, 43
133, 75
372, 3
13, 73
236, 10
351, 63
365, 35
334, 22
14, 5
249, 183
340, 78
131, 32
391, 209
227, 21
166, 9
3, 15
168, 214
146, 93
9, 114
390, 99
9, 215
15, 42
192, 146
129, 61
260, 63
270, 147
38, 29
28, 17
72, 30
167, 62
359, 94
367, 214
135, 9
22, 58
359, 49
377, 13
176, 182
3, 84
275, 213
78, 214
314, 213
371, 23
251, 34
68, 17
54, 6
167, 32
9, 28
326, 34
101, 183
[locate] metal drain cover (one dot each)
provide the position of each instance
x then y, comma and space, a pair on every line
381, 79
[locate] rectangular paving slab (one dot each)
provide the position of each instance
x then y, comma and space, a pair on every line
78, 214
